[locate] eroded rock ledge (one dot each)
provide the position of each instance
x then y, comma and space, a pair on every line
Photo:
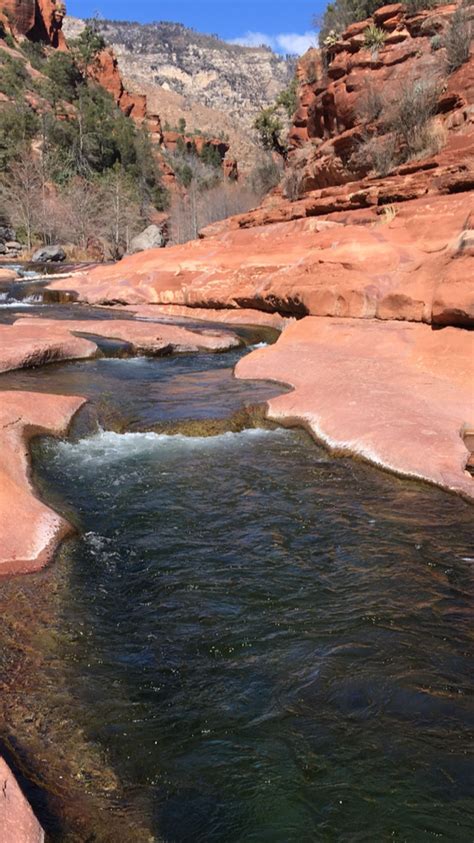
397, 395
415, 264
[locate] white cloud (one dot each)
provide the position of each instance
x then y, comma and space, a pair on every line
285, 42
254, 39
291, 42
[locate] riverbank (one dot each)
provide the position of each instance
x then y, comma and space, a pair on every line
384, 309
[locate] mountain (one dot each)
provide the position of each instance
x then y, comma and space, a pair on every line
203, 69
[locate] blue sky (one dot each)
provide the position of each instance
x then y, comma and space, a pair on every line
284, 25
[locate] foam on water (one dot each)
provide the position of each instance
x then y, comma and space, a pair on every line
19, 304
109, 446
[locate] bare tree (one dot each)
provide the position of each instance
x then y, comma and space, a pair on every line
120, 217
83, 210
21, 192
192, 212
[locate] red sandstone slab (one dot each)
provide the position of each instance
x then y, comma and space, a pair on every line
397, 394
144, 337
18, 824
389, 267
29, 530
235, 316
34, 342
27, 343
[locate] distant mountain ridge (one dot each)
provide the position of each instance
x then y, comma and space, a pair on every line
203, 69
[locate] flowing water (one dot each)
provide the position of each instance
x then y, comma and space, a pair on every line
263, 643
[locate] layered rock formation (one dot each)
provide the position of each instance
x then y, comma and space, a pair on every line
39, 20
356, 98
417, 266
235, 80
198, 78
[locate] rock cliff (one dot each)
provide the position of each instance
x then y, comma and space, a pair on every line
39, 20
364, 92
237, 81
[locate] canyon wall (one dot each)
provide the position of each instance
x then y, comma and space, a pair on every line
39, 20
350, 104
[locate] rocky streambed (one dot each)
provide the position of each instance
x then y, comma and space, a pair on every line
244, 637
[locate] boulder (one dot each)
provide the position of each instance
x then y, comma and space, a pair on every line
6, 233
49, 254
152, 237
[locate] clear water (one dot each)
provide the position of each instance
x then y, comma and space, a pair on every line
269, 644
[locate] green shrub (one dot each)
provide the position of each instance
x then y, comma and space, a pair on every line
413, 7
64, 77
18, 126
374, 37
375, 154
288, 98
87, 45
13, 75
339, 14
436, 42
371, 104
265, 175
411, 115
35, 53
9, 41
269, 128
210, 156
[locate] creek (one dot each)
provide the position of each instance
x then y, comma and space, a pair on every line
257, 641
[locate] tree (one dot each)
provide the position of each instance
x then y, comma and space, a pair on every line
120, 206
181, 125
339, 14
269, 128
88, 44
64, 77
18, 126
21, 194
83, 204
210, 156
288, 98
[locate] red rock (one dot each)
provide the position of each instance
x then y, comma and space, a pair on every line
396, 394
387, 12
7, 275
23, 415
390, 267
145, 338
39, 20
18, 824
231, 168
357, 28
321, 132
105, 72
25, 344
236, 316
